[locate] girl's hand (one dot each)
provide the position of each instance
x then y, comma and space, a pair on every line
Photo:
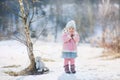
72, 36
76, 37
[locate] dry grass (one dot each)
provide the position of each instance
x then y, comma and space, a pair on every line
110, 55
48, 60
11, 66
11, 73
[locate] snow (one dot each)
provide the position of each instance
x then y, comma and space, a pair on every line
88, 65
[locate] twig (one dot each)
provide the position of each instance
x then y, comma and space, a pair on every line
20, 40
36, 19
33, 13
40, 33
17, 38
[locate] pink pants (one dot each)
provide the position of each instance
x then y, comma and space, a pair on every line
70, 61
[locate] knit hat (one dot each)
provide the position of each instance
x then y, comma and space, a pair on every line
71, 24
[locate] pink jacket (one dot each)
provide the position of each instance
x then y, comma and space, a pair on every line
70, 44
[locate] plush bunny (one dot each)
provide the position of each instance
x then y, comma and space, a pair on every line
40, 66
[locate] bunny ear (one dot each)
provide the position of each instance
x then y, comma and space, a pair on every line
71, 24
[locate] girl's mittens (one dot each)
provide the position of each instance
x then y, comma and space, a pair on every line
72, 35
76, 37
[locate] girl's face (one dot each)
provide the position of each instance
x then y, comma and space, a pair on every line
71, 30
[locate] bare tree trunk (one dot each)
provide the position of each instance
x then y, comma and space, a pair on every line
58, 17
105, 5
29, 44
103, 34
119, 10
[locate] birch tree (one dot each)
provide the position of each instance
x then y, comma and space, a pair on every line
29, 44
27, 14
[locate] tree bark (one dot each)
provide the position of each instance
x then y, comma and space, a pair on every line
29, 44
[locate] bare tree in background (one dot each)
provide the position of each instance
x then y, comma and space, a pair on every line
58, 17
103, 12
110, 24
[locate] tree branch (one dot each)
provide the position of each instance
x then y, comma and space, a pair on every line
33, 12
27, 9
17, 38
37, 19
20, 40
40, 33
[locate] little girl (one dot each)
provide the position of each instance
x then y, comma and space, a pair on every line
70, 39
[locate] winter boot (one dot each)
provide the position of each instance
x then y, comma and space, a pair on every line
73, 68
67, 69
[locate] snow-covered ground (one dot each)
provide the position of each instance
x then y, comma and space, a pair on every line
88, 66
